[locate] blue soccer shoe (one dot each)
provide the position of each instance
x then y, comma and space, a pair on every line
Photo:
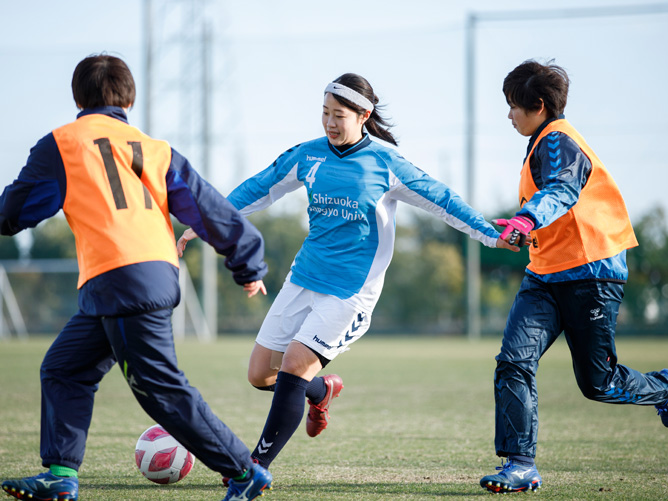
662, 410
250, 489
43, 487
513, 478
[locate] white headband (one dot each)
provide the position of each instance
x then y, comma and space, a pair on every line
349, 94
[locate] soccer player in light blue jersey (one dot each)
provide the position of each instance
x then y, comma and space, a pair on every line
353, 185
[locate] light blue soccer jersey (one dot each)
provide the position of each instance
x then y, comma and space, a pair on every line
352, 203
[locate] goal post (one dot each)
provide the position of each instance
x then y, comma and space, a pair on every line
9, 304
38, 296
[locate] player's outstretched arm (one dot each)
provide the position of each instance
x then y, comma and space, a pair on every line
198, 205
252, 288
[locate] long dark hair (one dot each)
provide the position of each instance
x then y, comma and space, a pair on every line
532, 82
376, 124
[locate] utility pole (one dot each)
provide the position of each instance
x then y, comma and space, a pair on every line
472, 246
177, 62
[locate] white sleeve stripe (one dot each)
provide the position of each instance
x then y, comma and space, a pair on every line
401, 192
286, 185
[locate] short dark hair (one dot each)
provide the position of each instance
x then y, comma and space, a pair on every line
377, 125
103, 80
532, 82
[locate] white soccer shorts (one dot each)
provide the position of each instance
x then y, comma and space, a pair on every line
326, 324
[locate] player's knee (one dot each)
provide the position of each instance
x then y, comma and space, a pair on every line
253, 380
506, 369
512, 379
590, 392
263, 367
591, 389
261, 379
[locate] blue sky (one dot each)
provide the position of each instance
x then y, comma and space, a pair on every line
273, 60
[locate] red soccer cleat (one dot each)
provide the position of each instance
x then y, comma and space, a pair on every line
318, 414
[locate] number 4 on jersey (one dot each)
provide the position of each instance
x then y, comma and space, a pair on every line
310, 177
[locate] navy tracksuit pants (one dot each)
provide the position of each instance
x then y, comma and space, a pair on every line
143, 345
587, 314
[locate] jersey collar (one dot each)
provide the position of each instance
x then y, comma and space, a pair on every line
540, 128
362, 143
110, 111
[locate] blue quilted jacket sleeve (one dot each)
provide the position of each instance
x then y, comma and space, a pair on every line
197, 204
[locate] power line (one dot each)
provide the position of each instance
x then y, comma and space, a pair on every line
570, 13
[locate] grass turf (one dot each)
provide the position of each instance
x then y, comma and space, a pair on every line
414, 421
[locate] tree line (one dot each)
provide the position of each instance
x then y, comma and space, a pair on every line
425, 286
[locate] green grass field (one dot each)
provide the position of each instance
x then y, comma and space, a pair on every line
415, 421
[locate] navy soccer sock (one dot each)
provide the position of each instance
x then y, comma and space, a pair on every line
287, 410
316, 390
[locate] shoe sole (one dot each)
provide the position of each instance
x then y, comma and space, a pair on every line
262, 491
19, 494
499, 488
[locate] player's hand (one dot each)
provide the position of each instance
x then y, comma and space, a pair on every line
188, 235
502, 244
516, 229
254, 287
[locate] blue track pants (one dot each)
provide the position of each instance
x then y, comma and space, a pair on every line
587, 314
143, 346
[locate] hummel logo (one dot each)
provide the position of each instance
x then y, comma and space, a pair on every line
135, 387
263, 447
354, 327
360, 319
596, 314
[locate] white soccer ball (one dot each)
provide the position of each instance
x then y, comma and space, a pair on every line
160, 458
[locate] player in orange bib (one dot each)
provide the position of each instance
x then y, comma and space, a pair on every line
574, 220
117, 188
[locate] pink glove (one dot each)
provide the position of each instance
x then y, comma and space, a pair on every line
518, 226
